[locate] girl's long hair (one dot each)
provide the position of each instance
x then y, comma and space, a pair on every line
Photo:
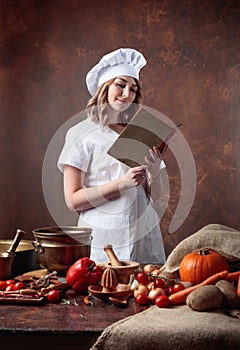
97, 105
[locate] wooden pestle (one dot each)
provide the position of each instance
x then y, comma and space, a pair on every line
111, 255
18, 236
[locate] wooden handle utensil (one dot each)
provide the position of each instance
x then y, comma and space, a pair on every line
18, 236
111, 255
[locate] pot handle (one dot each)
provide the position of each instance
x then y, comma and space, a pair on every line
38, 248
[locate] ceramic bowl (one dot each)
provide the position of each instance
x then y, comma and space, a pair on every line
124, 272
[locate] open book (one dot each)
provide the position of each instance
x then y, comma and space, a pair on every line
144, 131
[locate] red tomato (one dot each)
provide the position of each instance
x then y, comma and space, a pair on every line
9, 282
178, 287
142, 278
19, 285
166, 290
170, 290
53, 295
162, 301
159, 283
3, 285
142, 299
10, 287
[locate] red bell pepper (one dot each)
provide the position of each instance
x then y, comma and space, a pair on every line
82, 274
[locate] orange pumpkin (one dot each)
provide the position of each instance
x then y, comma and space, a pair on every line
195, 267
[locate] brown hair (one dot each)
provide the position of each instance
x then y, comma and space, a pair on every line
96, 106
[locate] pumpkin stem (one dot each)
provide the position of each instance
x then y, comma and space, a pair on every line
204, 252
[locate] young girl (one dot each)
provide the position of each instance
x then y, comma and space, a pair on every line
111, 198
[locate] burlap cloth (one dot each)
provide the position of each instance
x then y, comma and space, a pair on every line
172, 328
180, 327
222, 239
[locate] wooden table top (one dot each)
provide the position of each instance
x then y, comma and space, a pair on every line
59, 326
54, 318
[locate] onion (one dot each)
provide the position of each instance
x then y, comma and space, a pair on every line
155, 293
156, 273
139, 289
150, 285
150, 267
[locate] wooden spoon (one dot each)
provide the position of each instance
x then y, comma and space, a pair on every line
111, 255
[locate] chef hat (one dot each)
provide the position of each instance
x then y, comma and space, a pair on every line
119, 62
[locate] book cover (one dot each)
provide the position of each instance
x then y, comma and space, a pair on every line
144, 131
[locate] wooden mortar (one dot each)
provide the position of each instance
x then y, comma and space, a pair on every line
124, 268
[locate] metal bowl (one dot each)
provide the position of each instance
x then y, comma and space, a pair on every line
57, 248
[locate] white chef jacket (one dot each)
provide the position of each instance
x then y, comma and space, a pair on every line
129, 223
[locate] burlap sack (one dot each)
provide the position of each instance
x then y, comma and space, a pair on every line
172, 328
222, 239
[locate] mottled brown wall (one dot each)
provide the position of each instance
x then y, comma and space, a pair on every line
192, 76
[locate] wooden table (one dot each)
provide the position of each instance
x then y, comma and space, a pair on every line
59, 326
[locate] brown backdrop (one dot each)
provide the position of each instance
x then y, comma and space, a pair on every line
192, 76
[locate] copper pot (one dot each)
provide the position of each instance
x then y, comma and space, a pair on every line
58, 248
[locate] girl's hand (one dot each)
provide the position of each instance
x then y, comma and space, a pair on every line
135, 176
153, 162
